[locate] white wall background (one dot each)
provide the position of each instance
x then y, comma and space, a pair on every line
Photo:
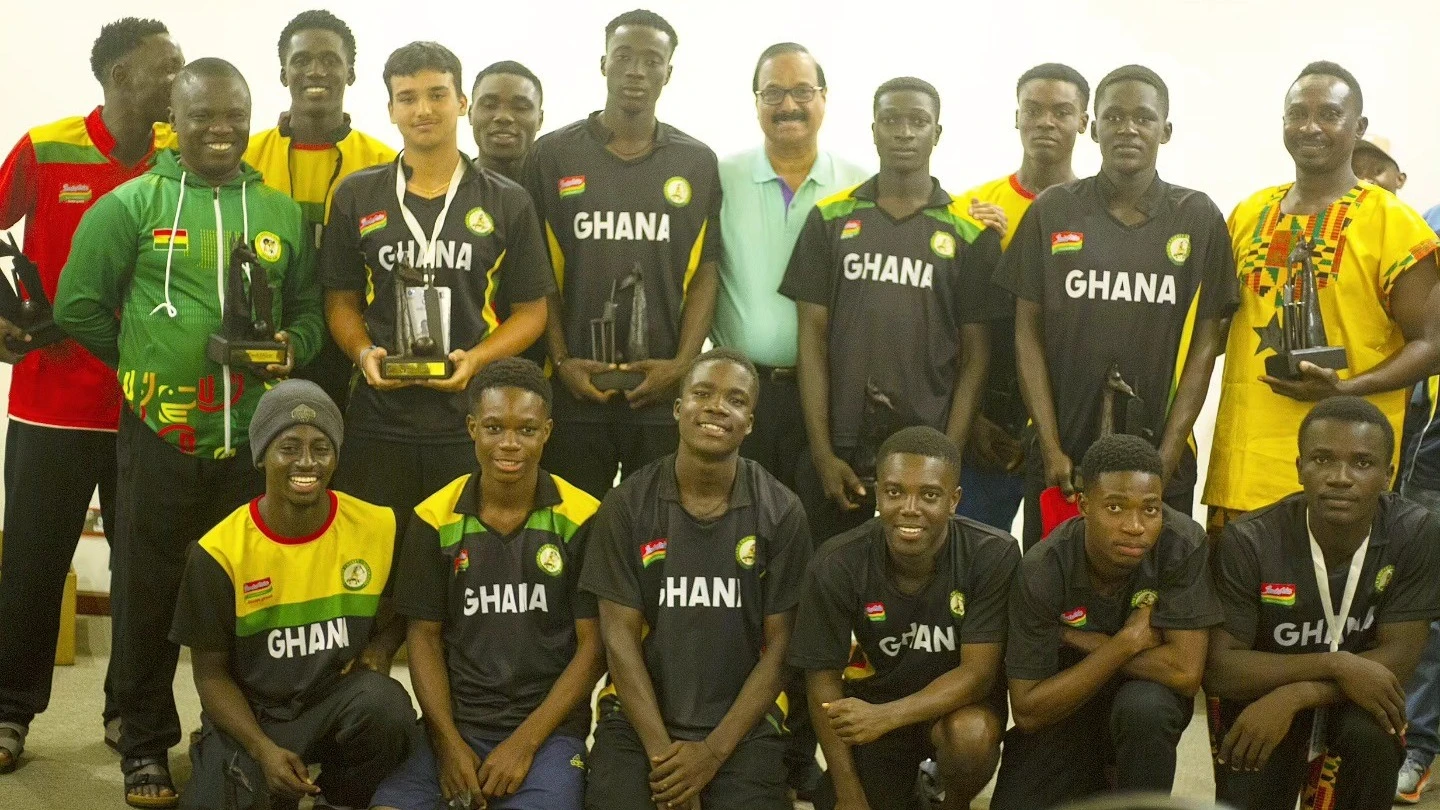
1227, 62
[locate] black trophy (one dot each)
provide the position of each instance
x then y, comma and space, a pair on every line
419, 343
637, 343
246, 336
881, 418
32, 313
1121, 409
1302, 327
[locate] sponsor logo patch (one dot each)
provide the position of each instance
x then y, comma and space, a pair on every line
303, 413
370, 223
75, 193
1277, 593
652, 551
745, 552
875, 611
462, 561
571, 186
549, 560
258, 589
1066, 242
165, 239
851, 229
1075, 618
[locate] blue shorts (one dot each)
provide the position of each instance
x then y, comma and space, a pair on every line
556, 780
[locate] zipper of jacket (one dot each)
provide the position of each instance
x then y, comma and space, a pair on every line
220, 288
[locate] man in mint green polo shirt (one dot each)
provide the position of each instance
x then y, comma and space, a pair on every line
768, 192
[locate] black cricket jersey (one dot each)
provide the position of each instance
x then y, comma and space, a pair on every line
705, 588
903, 641
508, 602
898, 292
1120, 295
602, 216
1266, 584
490, 241
1054, 590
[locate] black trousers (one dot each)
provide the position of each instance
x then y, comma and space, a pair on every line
778, 440
1369, 764
399, 474
165, 501
588, 454
331, 369
1135, 727
358, 734
50, 474
753, 778
826, 519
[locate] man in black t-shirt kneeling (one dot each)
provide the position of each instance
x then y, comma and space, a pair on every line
1109, 622
924, 594
696, 560
1328, 596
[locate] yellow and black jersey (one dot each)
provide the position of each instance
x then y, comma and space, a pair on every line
604, 216
508, 602
292, 612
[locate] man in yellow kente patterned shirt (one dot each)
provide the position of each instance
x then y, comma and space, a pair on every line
1378, 293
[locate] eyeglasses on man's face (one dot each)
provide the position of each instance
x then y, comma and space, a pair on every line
775, 96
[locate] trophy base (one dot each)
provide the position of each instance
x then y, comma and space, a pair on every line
256, 353
42, 334
616, 380
416, 368
1286, 366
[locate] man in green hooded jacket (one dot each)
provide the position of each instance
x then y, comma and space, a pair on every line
144, 290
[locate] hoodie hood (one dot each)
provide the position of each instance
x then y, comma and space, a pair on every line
167, 164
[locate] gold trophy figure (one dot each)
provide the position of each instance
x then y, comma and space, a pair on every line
420, 351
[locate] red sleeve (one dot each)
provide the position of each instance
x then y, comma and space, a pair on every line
17, 183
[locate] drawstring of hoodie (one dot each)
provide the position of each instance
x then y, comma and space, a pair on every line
170, 253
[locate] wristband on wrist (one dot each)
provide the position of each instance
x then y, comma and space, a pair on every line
364, 353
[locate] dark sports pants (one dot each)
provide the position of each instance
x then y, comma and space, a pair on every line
753, 778
399, 474
358, 734
165, 500
826, 519
588, 454
50, 474
1135, 727
331, 369
1369, 764
778, 440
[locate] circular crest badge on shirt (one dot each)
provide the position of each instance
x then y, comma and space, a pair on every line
957, 604
943, 244
549, 559
1178, 248
479, 222
1382, 579
355, 575
268, 246
1145, 598
677, 191
745, 552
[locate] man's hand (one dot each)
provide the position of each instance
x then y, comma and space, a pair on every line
575, 373
10, 330
992, 215
856, 722
1373, 687
467, 363
839, 482
680, 772
285, 773
1138, 633
280, 371
1315, 383
505, 768
1060, 472
370, 366
1259, 728
995, 449
459, 765
373, 659
1170, 455
659, 385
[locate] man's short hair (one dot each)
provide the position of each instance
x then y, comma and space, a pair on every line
728, 355
778, 49
117, 40
921, 440
210, 67
509, 67
646, 18
903, 83
1354, 410
317, 20
408, 60
1327, 68
1135, 73
1119, 452
1056, 72
509, 372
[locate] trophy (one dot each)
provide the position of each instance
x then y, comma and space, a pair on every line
637, 342
1302, 328
421, 329
246, 336
32, 313
1126, 415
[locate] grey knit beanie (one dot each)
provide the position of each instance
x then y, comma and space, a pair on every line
290, 403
